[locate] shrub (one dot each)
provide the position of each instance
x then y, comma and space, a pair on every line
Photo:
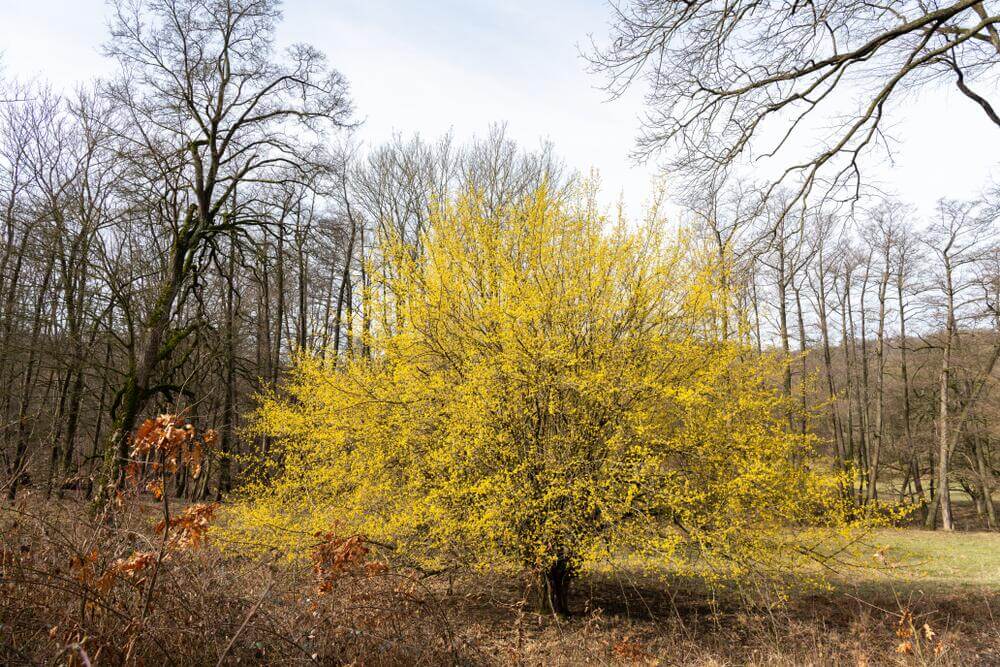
545, 387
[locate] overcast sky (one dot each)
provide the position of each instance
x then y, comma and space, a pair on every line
435, 65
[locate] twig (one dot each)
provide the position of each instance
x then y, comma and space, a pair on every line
243, 626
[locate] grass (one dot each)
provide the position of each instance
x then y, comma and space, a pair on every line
213, 607
957, 560
948, 581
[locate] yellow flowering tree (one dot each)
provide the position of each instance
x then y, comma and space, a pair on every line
545, 388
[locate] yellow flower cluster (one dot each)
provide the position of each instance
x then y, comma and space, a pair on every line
545, 385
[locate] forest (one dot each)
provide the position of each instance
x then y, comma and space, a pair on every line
274, 394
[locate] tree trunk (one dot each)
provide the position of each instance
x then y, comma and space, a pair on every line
755, 302
864, 402
944, 455
280, 308
831, 386
943, 496
302, 331
72, 421
905, 376
554, 584
878, 432
985, 482
56, 442
229, 369
803, 361
135, 389
27, 387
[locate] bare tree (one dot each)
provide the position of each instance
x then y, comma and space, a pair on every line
956, 238
718, 76
208, 107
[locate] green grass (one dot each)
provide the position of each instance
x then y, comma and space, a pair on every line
955, 560
905, 557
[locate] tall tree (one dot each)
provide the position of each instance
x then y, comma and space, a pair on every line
208, 106
956, 238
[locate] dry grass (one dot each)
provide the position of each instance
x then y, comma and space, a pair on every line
206, 607
625, 620
73, 591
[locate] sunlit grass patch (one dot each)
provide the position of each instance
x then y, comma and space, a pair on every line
946, 559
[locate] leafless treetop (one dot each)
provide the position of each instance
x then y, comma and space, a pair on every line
738, 79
